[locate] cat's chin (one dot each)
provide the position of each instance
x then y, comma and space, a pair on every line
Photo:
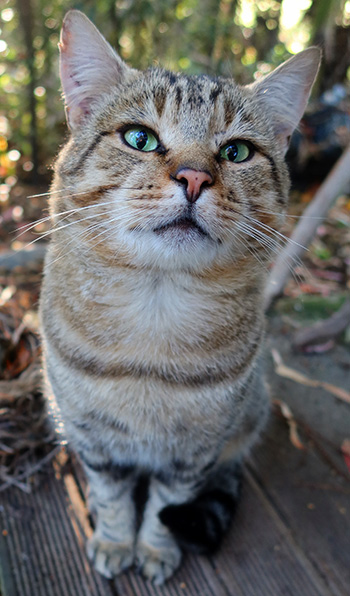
178, 236
175, 248
183, 229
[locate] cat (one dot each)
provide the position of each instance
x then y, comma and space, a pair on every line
166, 205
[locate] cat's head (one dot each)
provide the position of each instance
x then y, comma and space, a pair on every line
172, 170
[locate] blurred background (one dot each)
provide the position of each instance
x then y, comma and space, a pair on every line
239, 38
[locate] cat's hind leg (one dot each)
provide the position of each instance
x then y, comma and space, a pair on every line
111, 547
200, 524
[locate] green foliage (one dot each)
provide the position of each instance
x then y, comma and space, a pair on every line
219, 37
309, 308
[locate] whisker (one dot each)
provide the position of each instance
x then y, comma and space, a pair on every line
242, 239
80, 235
258, 235
275, 232
97, 225
29, 226
271, 244
51, 192
55, 229
289, 215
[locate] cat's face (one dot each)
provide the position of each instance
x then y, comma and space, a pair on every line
179, 171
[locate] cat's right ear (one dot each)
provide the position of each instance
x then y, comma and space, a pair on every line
89, 67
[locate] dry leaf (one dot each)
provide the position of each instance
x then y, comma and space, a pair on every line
346, 452
289, 373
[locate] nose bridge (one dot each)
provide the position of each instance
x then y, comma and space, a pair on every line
193, 166
194, 155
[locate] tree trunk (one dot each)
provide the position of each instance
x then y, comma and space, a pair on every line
25, 12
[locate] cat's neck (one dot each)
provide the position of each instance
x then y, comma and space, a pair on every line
125, 283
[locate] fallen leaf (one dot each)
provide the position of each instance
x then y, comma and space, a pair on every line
346, 452
18, 360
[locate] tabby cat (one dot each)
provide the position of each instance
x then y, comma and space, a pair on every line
166, 204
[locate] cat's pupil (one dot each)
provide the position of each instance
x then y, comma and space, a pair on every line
232, 152
141, 138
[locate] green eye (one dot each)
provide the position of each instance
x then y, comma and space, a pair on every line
236, 151
141, 139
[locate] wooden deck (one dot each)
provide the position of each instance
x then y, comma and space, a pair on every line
291, 535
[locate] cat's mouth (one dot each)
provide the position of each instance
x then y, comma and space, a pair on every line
181, 224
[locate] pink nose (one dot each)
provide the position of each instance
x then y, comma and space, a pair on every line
194, 181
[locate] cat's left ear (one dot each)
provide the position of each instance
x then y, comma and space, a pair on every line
285, 92
89, 67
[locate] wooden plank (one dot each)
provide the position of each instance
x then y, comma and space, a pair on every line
259, 559
43, 547
44, 554
318, 519
311, 498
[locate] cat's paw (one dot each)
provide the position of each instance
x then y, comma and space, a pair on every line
158, 564
109, 558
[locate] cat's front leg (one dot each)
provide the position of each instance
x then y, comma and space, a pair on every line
157, 552
111, 547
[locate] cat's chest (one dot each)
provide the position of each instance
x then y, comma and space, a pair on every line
150, 311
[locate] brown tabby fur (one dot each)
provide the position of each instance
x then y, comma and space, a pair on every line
153, 340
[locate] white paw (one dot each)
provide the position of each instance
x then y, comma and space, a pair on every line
109, 558
158, 564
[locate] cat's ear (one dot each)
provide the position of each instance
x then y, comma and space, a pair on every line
89, 67
285, 92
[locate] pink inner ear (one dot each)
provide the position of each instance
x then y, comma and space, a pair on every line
84, 106
75, 108
88, 66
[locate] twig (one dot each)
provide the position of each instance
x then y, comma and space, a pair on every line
293, 427
324, 330
29, 471
294, 375
316, 438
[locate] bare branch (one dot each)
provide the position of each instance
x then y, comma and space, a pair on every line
335, 183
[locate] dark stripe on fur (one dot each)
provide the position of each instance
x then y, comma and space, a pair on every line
159, 99
215, 92
97, 368
230, 110
281, 198
117, 471
88, 151
107, 422
178, 96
